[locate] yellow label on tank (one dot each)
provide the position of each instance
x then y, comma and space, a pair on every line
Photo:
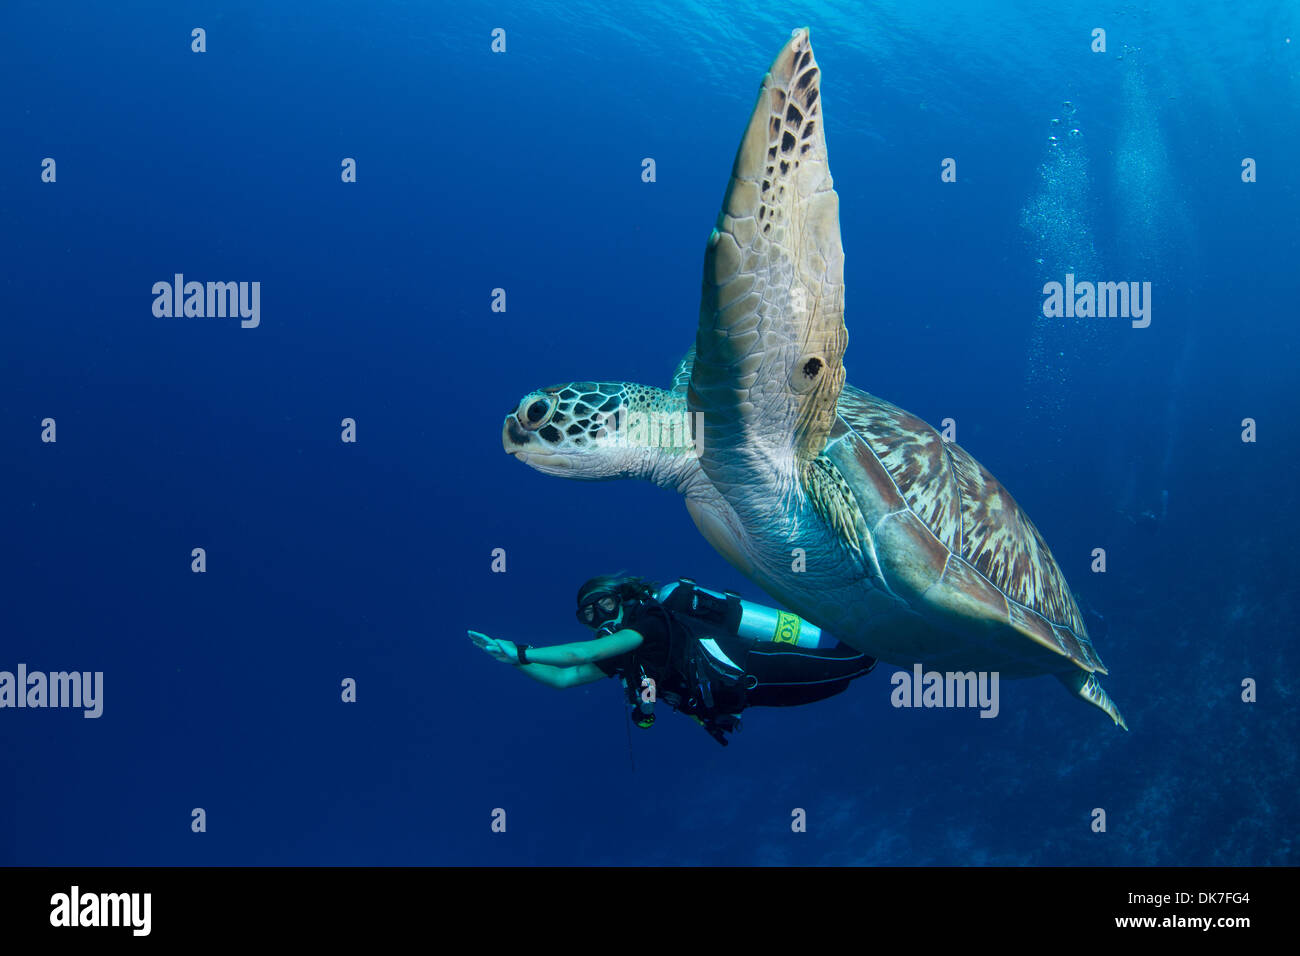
787, 628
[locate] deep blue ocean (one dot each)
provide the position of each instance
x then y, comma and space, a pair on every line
522, 170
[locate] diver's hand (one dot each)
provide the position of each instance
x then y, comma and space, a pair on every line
503, 651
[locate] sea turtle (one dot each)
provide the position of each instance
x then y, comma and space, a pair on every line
848, 510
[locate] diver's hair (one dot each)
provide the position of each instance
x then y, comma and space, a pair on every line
626, 586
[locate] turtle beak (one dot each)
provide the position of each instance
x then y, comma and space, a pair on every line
525, 446
513, 436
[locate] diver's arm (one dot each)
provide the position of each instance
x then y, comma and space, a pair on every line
585, 652
562, 677
563, 665
544, 663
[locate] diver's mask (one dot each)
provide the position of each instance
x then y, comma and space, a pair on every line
599, 608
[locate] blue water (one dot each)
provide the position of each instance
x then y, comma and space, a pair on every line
369, 560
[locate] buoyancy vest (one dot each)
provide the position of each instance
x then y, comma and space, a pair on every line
710, 634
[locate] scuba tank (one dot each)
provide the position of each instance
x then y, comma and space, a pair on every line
752, 623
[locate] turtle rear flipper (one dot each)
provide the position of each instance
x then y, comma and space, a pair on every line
1086, 685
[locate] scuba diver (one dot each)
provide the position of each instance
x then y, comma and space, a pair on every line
704, 653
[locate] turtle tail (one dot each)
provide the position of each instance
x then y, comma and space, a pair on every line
1086, 685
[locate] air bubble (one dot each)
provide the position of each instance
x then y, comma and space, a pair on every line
1075, 133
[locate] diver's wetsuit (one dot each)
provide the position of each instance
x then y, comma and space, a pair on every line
681, 652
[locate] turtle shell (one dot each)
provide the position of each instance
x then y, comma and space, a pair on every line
952, 542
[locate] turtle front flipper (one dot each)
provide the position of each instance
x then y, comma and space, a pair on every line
1086, 685
770, 346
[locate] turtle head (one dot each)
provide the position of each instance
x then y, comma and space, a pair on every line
601, 430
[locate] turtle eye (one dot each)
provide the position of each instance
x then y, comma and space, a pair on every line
537, 413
